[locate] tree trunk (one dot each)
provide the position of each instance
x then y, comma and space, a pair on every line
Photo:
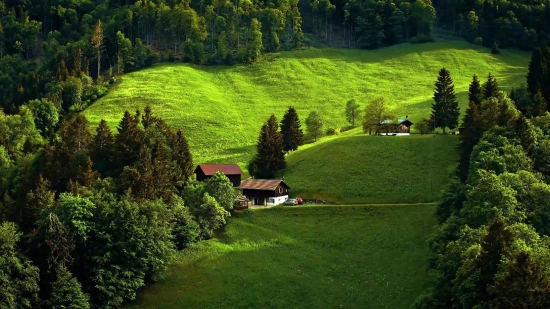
98, 63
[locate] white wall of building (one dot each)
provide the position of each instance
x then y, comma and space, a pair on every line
276, 200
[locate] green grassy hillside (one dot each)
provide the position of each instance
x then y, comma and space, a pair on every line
221, 108
311, 257
357, 168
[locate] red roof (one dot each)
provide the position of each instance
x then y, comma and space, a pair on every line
262, 184
226, 169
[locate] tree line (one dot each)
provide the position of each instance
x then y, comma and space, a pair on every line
491, 248
86, 220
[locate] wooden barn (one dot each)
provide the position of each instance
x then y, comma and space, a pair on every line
402, 127
232, 171
265, 191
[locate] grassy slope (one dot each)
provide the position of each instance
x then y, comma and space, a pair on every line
314, 257
221, 109
357, 168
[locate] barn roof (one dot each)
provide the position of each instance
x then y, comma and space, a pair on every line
226, 169
262, 184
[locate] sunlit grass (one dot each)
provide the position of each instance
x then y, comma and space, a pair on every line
357, 168
221, 108
303, 257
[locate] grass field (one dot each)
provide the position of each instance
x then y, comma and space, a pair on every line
310, 257
221, 109
356, 168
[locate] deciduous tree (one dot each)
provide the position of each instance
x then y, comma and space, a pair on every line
352, 111
376, 111
314, 123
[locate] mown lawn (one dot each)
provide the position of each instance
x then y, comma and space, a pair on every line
357, 168
221, 108
310, 257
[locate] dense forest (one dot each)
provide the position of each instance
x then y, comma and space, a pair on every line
88, 219
492, 245
69, 52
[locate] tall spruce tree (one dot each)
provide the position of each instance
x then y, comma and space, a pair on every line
102, 149
468, 140
524, 130
490, 88
474, 92
270, 157
535, 71
540, 107
293, 136
182, 156
128, 141
445, 110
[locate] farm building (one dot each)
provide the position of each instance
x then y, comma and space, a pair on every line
402, 127
232, 171
265, 191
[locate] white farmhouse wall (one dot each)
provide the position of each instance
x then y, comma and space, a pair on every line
277, 200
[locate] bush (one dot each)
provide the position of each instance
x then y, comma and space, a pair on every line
478, 41
422, 38
150, 59
494, 49
171, 57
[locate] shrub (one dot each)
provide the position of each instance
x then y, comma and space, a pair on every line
494, 49
478, 41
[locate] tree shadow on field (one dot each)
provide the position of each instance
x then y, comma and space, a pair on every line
233, 155
395, 51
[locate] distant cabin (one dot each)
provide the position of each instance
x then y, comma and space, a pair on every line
402, 127
265, 191
232, 171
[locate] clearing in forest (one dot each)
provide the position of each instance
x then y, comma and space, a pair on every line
222, 108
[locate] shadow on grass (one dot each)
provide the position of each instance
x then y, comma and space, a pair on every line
374, 258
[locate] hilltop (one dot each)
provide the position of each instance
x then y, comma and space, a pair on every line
221, 108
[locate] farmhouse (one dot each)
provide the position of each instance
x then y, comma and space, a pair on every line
265, 191
232, 171
402, 127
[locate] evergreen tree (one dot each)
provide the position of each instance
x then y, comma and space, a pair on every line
270, 157
535, 71
474, 92
468, 140
293, 136
67, 292
128, 141
525, 133
524, 283
445, 110
102, 149
540, 107
37, 201
182, 156
490, 88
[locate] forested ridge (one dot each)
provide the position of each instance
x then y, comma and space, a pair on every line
492, 246
56, 49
